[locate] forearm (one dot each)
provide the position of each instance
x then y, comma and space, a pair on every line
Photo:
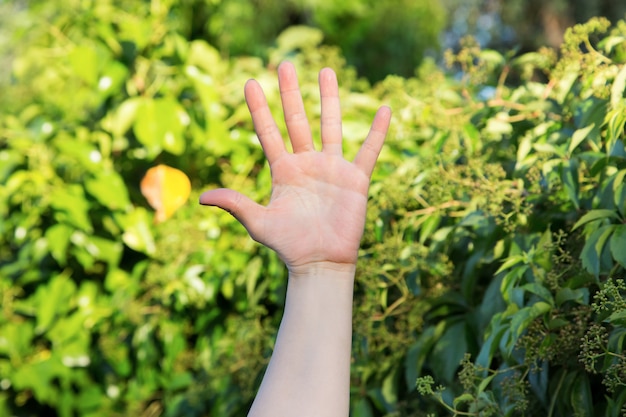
309, 373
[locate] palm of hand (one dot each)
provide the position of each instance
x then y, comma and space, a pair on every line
316, 211
317, 208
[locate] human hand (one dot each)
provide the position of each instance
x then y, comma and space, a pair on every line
316, 212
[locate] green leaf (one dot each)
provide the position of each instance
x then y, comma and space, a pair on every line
594, 215
112, 78
603, 237
523, 318
617, 89
492, 57
121, 119
109, 189
104, 249
539, 290
389, 388
84, 61
449, 350
429, 226
617, 120
418, 352
617, 244
205, 57
492, 343
617, 318
510, 262
159, 124
509, 282
578, 137
58, 236
569, 177
53, 300
298, 37
71, 207
17, 338
138, 231
539, 382
619, 198
524, 148
581, 397
361, 408
550, 149
472, 136
9, 160
37, 376
178, 381
485, 383
86, 154
250, 276
498, 127
592, 250
578, 295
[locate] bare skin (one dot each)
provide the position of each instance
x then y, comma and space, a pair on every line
314, 221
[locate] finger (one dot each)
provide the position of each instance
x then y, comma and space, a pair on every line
368, 154
293, 108
264, 123
248, 212
331, 112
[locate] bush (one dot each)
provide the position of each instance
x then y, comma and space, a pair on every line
493, 266
492, 263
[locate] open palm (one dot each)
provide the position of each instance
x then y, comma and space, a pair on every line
317, 208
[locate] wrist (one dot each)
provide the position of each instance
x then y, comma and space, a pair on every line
320, 269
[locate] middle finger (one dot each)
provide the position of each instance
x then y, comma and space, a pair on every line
293, 108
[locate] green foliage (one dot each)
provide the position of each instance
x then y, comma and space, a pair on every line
377, 38
492, 267
509, 216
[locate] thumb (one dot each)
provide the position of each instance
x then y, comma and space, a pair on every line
238, 205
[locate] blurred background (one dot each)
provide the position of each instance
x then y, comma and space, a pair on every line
378, 38
120, 296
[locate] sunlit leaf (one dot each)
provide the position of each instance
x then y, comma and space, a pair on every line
138, 231
159, 124
166, 190
109, 189
71, 207
578, 137
84, 61
617, 90
53, 300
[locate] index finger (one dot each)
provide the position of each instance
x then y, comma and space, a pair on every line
264, 124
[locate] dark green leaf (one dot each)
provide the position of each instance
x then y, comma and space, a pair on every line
449, 350
569, 177
578, 295
594, 215
581, 396
618, 245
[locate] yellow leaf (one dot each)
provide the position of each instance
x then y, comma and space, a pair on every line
166, 190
